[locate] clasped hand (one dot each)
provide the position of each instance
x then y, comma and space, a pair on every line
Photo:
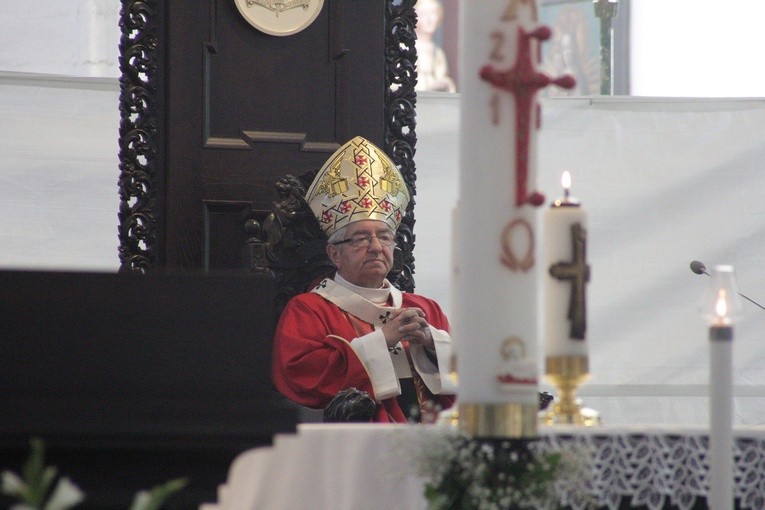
407, 324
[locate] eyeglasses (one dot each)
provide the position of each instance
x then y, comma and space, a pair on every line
364, 240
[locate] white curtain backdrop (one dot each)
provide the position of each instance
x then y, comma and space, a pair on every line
665, 182
59, 169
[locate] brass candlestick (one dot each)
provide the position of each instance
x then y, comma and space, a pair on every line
567, 373
490, 420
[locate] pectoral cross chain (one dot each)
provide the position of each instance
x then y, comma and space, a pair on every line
578, 272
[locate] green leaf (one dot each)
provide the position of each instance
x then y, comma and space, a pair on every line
154, 499
33, 467
32, 472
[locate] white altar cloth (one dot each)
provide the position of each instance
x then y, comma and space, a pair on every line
370, 467
326, 466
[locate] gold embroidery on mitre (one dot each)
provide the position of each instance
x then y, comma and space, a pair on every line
333, 184
358, 182
390, 182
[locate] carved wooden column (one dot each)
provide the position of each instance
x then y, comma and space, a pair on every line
400, 136
139, 147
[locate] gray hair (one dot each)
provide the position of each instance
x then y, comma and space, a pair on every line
338, 235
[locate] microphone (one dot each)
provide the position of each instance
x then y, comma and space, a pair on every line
698, 267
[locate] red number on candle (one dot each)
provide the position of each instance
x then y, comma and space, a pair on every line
495, 105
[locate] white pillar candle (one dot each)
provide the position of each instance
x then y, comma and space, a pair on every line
721, 304
723, 298
721, 417
566, 274
496, 276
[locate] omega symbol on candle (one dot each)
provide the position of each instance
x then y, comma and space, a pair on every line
518, 232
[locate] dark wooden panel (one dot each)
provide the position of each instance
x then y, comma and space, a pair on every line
136, 379
225, 233
245, 108
213, 110
268, 84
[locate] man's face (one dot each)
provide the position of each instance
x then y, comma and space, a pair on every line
363, 266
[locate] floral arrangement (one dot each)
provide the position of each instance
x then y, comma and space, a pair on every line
464, 473
40, 488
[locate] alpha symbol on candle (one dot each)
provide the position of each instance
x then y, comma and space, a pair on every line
578, 272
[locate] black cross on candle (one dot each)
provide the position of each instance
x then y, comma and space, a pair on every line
578, 272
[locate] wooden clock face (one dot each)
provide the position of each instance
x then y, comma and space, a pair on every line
279, 17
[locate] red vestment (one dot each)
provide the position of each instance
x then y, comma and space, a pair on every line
314, 360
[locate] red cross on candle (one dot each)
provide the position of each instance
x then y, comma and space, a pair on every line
523, 81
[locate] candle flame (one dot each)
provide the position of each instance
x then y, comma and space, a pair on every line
565, 180
721, 308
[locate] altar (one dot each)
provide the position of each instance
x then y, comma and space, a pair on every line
351, 466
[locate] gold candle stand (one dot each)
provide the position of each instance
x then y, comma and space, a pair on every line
490, 420
567, 373
515, 421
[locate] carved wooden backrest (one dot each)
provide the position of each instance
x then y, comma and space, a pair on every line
148, 211
290, 245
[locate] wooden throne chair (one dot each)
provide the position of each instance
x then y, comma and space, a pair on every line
290, 246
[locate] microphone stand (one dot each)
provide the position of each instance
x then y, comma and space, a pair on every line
699, 268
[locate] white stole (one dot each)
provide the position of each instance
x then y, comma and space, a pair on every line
386, 366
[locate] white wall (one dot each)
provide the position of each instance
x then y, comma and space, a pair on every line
68, 37
692, 48
58, 172
59, 123
696, 48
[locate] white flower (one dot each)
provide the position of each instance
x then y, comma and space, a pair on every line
64, 496
11, 484
141, 501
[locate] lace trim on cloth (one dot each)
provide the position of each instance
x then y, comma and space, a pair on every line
656, 470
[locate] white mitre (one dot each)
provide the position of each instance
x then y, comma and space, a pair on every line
358, 182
